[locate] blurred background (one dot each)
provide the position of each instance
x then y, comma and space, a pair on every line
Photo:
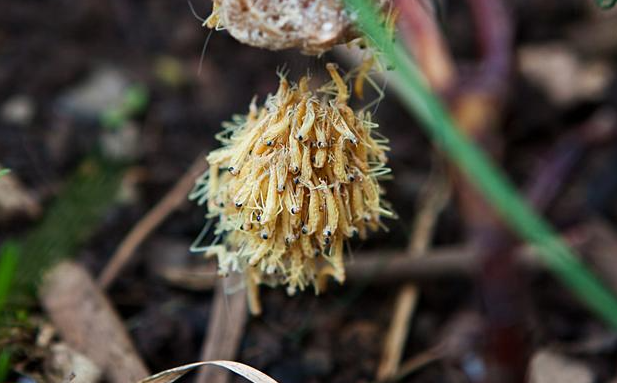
105, 107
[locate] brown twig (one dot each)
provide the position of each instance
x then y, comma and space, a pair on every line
172, 200
87, 322
417, 362
393, 267
396, 337
418, 25
432, 201
381, 267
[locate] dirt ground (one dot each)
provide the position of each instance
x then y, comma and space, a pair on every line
63, 64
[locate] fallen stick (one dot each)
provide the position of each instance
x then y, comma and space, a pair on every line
172, 200
392, 266
404, 266
396, 337
88, 323
379, 267
432, 201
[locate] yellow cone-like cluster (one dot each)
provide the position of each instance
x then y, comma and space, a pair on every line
293, 180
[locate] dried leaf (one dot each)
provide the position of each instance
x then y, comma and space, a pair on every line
243, 370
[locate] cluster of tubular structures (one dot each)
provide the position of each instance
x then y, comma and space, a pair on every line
293, 180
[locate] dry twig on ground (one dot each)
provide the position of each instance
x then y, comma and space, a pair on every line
172, 200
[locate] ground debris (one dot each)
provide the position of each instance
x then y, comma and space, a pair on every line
16, 200
547, 366
565, 77
101, 91
87, 322
18, 110
73, 366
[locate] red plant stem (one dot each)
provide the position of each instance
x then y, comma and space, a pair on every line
507, 348
494, 37
424, 39
506, 342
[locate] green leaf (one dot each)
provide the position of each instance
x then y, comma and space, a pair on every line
113, 118
136, 99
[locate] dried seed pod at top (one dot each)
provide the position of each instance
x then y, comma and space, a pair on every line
314, 26
293, 180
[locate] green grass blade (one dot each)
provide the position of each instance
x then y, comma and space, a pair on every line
9, 255
481, 171
5, 365
8, 264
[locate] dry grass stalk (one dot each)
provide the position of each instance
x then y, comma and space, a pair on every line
432, 202
172, 200
225, 329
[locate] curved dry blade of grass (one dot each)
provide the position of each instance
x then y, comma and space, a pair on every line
480, 170
243, 370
